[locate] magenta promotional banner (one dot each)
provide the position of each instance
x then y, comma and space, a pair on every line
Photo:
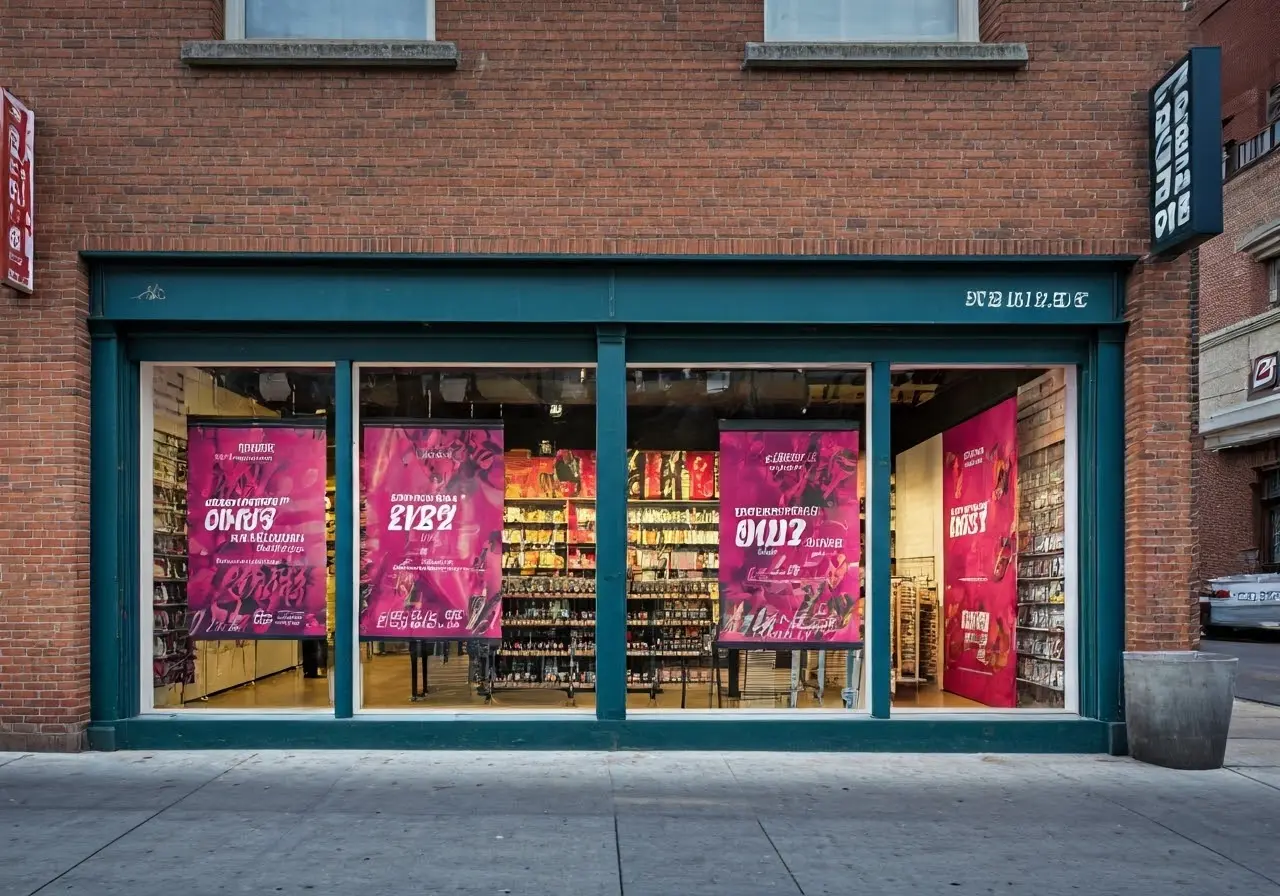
431, 567
255, 530
790, 562
980, 509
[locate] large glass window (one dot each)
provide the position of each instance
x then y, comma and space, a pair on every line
331, 19
870, 20
983, 589
237, 531
477, 519
746, 539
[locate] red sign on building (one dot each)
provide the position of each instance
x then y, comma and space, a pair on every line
17, 208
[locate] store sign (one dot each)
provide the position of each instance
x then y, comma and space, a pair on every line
17, 207
980, 532
790, 538
431, 563
1185, 123
1263, 375
256, 541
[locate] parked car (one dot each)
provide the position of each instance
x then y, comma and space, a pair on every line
1249, 601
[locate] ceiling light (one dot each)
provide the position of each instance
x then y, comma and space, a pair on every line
274, 387
453, 389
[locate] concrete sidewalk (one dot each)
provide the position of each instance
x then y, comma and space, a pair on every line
641, 824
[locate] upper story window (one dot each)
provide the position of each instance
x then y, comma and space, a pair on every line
1273, 282
1273, 104
850, 21
331, 19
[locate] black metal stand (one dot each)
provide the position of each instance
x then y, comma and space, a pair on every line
418, 651
735, 686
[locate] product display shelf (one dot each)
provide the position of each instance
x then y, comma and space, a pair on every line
548, 590
905, 640
1040, 633
673, 592
173, 651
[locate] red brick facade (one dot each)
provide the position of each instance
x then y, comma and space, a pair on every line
1248, 32
1232, 285
571, 126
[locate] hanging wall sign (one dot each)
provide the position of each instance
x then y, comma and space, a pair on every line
1185, 128
256, 529
790, 562
17, 189
980, 521
1264, 375
431, 566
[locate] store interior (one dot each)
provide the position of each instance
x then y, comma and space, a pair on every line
546, 658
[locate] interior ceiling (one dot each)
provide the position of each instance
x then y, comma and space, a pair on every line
926, 402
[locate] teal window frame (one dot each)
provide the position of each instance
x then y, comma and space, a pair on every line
120, 345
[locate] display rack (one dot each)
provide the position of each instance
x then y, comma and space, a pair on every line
672, 593
173, 651
916, 617
1041, 623
905, 634
549, 598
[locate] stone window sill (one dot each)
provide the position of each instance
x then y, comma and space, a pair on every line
948, 55
322, 53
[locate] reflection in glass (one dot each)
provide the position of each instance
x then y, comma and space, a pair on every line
336, 19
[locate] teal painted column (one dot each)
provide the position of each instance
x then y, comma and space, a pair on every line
106, 537
880, 464
611, 524
1107, 519
345, 546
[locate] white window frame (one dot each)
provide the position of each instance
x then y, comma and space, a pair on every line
235, 19
1273, 282
967, 30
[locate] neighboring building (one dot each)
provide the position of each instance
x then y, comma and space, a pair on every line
287, 289
1238, 487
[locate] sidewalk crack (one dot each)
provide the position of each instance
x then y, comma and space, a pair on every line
13, 759
617, 837
104, 847
777, 852
1160, 824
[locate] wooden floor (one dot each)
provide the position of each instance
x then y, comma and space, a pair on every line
387, 685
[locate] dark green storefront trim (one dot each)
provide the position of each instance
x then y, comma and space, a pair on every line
609, 312
805, 735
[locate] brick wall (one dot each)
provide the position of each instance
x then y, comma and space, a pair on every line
1233, 286
572, 126
1159, 404
1249, 33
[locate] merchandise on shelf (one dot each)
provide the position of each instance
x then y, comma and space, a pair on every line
173, 651
1041, 623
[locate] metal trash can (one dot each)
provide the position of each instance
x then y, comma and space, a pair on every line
1178, 707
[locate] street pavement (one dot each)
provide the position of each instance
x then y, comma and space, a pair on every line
641, 824
1258, 677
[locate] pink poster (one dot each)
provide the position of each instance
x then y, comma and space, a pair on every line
255, 529
980, 511
431, 567
789, 538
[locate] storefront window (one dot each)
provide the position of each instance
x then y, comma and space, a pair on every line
983, 592
239, 532
746, 539
1269, 495
477, 559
